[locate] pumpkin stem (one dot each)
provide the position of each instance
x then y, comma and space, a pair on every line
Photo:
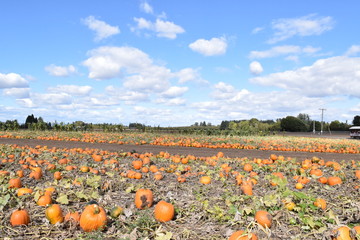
96, 209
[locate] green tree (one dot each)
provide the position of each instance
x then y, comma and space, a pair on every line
356, 120
293, 124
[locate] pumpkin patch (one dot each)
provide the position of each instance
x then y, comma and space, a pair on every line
87, 192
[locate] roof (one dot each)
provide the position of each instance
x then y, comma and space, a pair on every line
354, 127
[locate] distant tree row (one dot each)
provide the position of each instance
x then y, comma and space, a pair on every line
300, 123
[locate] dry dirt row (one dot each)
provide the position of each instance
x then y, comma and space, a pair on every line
199, 152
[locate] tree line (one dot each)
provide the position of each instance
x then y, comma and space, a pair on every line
300, 123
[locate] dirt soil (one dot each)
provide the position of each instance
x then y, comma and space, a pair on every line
199, 152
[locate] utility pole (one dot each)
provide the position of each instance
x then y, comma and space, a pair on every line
322, 119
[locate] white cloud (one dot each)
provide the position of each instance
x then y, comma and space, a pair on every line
223, 91
12, 80
161, 28
71, 89
256, 68
171, 101
48, 100
102, 29
129, 97
174, 91
59, 71
146, 7
282, 50
190, 75
17, 92
304, 26
257, 30
134, 66
353, 50
326, 77
212, 47
231, 103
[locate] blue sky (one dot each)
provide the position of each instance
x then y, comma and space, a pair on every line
174, 63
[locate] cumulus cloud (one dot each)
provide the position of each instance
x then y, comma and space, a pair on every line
171, 101
146, 7
74, 90
102, 29
161, 28
129, 97
256, 68
212, 47
190, 75
59, 71
304, 26
223, 91
12, 80
174, 91
17, 92
283, 50
326, 77
231, 103
353, 50
46, 99
135, 67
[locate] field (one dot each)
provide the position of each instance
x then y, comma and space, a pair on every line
309, 187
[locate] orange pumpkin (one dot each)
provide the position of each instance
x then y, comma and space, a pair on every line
19, 217
22, 191
15, 183
320, 203
263, 218
73, 217
241, 235
93, 218
54, 214
44, 200
164, 211
143, 198
205, 180
334, 181
342, 233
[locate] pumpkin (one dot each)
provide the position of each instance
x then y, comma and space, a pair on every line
248, 167
116, 211
137, 164
73, 217
263, 218
15, 183
22, 191
164, 211
19, 217
246, 188
357, 174
241, 235
57, 175
93, 218
44, 200
54, 214
320, 203
342, 233
334, 181
205, 180
143, 198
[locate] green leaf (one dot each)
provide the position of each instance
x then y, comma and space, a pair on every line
162, 236
81, 195
95, 195
4, 200
93, 181
63, 199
